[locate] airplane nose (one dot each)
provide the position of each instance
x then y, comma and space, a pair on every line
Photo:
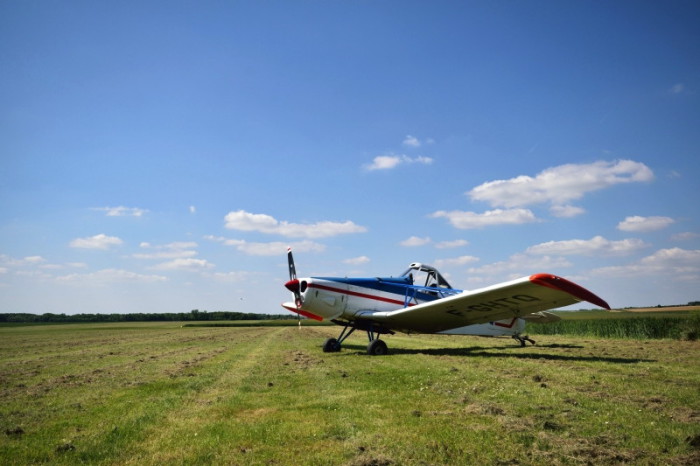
292, 285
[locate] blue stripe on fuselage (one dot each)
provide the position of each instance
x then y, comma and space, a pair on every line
398, 286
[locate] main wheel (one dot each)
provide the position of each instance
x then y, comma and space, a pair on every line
377, 348
331, 346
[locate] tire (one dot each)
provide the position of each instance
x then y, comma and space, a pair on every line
377, 348
331, 346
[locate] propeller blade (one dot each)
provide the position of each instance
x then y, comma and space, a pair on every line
292, 269
293, 284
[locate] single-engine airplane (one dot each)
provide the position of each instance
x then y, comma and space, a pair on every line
421, 301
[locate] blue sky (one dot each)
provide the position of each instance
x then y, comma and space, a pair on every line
161, 156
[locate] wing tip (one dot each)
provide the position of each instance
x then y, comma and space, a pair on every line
562, 284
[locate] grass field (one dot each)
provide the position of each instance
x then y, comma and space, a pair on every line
154, 393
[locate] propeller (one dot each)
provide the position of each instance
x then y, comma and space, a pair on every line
293, 284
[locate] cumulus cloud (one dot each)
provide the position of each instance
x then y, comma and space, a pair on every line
176, 250
100, 241
681, 264
26, 261
415, 241
566, 211
122, 211
357, 260
521, 264
596, 245
452, 244
472, 220
387, 162
186, 264
263, 223
644, 224
411, 141
268, 249
560, 185
107, 276
685, 236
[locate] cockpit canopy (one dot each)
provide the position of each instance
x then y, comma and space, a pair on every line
425, 275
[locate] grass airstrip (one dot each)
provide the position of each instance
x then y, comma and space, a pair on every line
154, 393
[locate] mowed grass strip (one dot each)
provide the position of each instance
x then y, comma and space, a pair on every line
155, 393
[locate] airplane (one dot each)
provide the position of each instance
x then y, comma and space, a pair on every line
420, 300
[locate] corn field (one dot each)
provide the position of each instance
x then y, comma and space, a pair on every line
643, 327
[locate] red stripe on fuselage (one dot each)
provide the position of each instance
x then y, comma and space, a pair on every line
501, 324
360, 295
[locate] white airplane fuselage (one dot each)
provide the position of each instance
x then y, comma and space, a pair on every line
345, 299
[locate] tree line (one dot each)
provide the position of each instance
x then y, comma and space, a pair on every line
193, 315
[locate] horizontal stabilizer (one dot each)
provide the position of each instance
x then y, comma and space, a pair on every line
542, 317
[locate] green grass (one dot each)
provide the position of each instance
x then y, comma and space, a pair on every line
680, 325
160, 392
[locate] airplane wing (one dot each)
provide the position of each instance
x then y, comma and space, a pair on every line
516, 298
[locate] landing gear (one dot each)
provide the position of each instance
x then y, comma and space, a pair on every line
331, 346
376, 347
522, 339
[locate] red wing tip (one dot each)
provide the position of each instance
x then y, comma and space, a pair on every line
562, 284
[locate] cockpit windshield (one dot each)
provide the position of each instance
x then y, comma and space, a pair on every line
425, 275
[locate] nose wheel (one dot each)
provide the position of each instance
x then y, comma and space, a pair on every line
332, 345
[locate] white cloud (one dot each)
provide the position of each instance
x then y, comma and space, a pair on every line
677, 88
685, 236
176, 250
675, 263
268, 249
187, 264
452, 244
456, 261
471, 220
595, 245
107, 276
357, 260
245, 221
415, 241
411, 141
387, 162
122, 211
100, 241
566, 211
644, 224
77, 265
560, 185
193, 209
522, 264
26, 261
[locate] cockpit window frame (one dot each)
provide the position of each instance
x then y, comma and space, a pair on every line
433, 277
